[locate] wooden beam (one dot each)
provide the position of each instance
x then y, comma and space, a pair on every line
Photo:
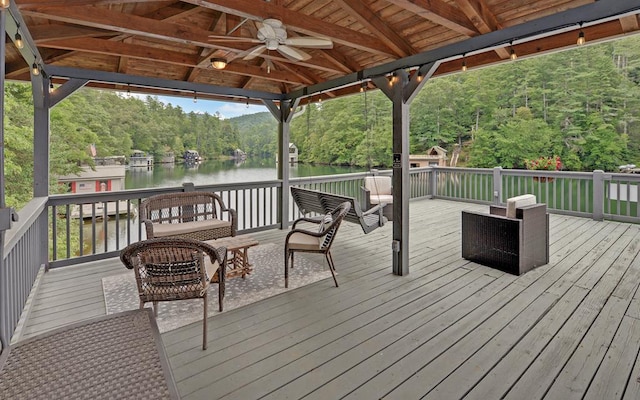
102, 18
483, 19
629, 23
377, 26
439, 12
41, 33
298, 22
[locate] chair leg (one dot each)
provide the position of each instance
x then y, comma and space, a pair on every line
221, 289
286, 268
204, 324
332, 268
155, 309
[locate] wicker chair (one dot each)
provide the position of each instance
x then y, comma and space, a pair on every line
190, 215
169, 269
318, 241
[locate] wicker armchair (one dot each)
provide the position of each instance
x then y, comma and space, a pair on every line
318, 241
190, 215
169, 269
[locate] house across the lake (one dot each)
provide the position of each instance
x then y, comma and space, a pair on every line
140, 159
108, 175
435, 156
192, 157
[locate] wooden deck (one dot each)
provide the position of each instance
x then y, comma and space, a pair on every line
450, 329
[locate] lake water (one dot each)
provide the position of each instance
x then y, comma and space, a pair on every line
212, 172
108, 235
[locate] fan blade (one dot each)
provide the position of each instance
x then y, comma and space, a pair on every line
216, 38
293, 54
266, 31
310, 42
255, 52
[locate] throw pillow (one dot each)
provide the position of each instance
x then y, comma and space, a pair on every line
326, 221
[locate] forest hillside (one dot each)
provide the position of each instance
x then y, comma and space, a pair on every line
581, 105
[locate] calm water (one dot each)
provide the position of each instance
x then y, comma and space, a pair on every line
107, 234
212, 172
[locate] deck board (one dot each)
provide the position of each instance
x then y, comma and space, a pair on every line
451, 329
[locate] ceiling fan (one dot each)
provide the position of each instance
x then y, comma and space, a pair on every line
272, 35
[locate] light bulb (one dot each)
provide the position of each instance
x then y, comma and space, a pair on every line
5, 3
18, 41
464, 65
34, 69
581, 39
513, 54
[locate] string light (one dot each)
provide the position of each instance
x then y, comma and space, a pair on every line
247, 102
128, 91
5, 3
464, 63
581, 39
513, 55
195, 97
18, 39
35, 70
51, 87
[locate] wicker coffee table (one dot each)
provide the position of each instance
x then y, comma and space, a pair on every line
238, 261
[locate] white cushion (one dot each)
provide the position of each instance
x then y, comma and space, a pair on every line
378, 184
161, 230
517, 202
381, 198
300, 241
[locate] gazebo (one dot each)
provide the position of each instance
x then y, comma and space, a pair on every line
279, 53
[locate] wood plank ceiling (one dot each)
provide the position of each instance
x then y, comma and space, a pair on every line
173, 39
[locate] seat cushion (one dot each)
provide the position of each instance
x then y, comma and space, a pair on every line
210, 268
162, 230
519, 201
301, 241
381, 198
378, 184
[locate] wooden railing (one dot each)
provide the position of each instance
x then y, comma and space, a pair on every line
90, 233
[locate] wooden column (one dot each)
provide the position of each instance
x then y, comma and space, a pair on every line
283, 114
401, 90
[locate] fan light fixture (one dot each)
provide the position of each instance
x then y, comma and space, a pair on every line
218, 63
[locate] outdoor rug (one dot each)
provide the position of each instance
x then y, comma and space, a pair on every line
266, 280
118, 356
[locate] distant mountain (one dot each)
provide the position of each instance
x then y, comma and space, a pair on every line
250, 121
257, 133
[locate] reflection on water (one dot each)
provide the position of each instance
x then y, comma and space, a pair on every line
108, 233
214, 172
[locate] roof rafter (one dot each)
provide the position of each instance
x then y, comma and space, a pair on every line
298, 22
483, 19
375, 25
439, 12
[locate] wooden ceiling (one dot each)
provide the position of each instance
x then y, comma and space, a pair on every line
170, 40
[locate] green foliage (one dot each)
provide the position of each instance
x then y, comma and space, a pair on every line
582, 105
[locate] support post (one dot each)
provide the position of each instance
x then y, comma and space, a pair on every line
283, 114
598, 195
401, 90
497, 185
41, 140
5, 334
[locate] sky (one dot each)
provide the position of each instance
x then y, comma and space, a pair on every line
226, 109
